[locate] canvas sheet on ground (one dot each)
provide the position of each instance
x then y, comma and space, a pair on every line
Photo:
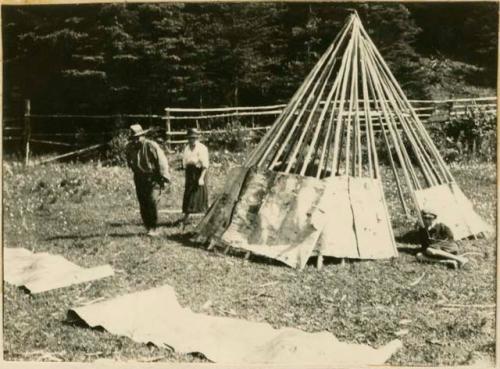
40, 272
155, 316
451, 206
288, 217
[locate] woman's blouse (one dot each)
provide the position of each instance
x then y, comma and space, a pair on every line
198, 156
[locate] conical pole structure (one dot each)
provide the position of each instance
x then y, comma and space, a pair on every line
348, 108
328, 126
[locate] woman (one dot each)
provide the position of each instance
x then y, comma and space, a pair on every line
195, 162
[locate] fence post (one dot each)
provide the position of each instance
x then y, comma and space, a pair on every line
167, 126
27, 130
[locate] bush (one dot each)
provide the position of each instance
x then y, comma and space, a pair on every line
115, 153
232, 137
467, 137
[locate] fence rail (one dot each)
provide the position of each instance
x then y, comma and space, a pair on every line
209, 120
427, 110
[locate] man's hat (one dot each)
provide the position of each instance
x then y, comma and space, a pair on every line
136, 130
428, 215
193, 133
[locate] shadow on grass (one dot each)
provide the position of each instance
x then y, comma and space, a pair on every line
24, 290
409, 243
74, 320
96, 235
186, 239
171, 223
330, 260
411, 237
168, 224
124, 224
259, 259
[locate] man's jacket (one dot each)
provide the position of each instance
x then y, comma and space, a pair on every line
146, 158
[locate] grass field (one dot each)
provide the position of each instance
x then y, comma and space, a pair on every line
88, 214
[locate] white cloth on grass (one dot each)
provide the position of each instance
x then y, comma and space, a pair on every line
40, 272
155, 316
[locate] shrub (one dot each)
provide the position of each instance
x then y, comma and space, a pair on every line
115, 153
471, 136
233, 137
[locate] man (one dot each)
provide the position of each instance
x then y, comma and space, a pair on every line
151, 171
437, 242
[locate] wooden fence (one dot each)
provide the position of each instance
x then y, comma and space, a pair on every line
209, 121
251, 118
29, 131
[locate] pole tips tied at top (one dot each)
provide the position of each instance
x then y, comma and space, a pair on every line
354, 12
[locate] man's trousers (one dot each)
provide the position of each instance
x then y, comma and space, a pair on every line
148, 194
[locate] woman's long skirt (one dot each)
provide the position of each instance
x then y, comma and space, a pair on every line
195, 196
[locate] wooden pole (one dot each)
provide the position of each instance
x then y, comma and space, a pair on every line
357, 131
319, 124
371, 144
306, 86
323, 165
417, 146
268, 142
339, 123
327, 105
425, 161
430, 167
371, 149
167, 127
373, 77
52, 142
429, 171
352, 62
211, 245
419, 124
396, 176
298, 119
325, 149
371, 138
305, 130
319, 261
93, 147
27, 130
357, 126
389, 101
438, 174
390, 124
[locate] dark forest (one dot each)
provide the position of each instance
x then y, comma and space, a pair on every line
129, 58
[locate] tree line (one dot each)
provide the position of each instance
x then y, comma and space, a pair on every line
135, 58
